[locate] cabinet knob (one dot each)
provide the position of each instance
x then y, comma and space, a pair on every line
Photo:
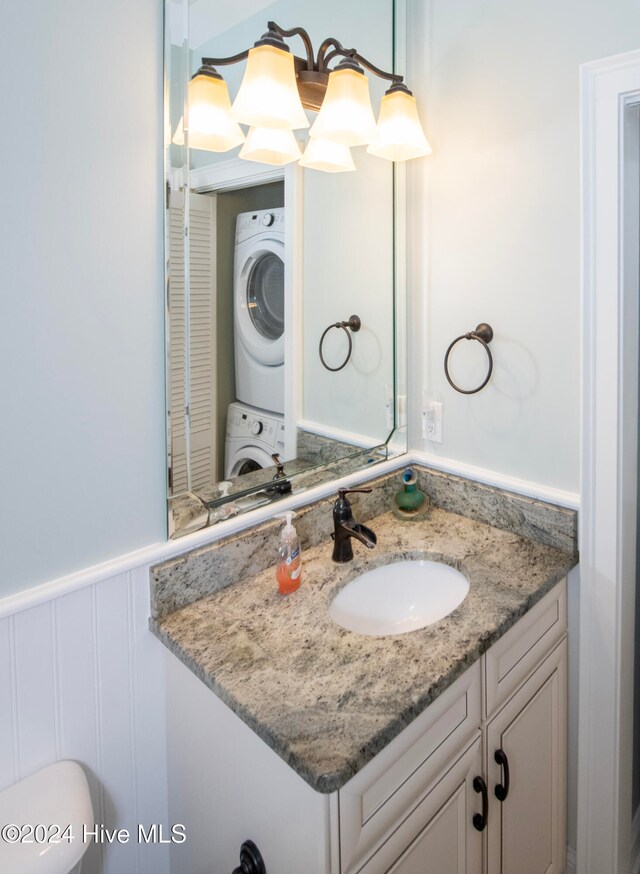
250, 860
502, 789
480, 819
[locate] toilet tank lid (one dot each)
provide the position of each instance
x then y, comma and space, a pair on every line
58, 794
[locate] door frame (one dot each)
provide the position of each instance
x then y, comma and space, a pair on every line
609, 89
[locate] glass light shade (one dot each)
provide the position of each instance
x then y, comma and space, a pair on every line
346, 116
270, 146
327, 156
268, 95
400, 136
211, 126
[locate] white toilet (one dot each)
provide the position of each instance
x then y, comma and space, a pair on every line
56, 795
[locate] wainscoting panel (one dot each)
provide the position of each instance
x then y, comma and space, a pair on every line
76, 694
82, 678
34, 696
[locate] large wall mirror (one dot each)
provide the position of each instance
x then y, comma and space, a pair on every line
284, 308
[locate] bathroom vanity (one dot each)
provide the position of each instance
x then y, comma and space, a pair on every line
442, 750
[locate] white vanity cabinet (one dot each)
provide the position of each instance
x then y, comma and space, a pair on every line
413, 809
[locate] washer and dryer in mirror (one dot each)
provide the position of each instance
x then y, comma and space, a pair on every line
259, 309
253, 436
255, 425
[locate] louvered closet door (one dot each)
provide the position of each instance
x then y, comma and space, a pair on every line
177, 358
202, 332
201, 353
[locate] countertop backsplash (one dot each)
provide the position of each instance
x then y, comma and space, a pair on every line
208, 569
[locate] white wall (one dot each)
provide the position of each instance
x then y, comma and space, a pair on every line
81, 245
500, 99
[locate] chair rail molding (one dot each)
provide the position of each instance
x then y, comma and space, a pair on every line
610, 95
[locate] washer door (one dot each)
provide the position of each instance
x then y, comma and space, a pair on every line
246, 460
259, 303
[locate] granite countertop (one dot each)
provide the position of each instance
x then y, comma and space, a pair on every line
326, 700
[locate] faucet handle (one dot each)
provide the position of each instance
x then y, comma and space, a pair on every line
279, 466
343, 492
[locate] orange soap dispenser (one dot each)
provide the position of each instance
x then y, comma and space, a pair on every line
289, 569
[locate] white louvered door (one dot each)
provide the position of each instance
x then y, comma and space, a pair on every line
200, 354
176, 394
202, 333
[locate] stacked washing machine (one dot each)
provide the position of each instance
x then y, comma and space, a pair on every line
255, 422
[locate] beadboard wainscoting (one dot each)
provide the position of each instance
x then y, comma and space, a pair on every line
81, 677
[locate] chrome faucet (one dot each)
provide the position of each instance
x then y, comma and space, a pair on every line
345, 527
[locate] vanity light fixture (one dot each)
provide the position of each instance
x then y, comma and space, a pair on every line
276, 89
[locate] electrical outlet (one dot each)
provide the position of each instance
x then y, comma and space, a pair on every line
432, 415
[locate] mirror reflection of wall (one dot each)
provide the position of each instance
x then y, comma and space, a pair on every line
338, 260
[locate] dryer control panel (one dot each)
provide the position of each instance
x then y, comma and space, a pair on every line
248, 224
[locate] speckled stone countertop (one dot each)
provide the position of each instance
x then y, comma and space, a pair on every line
327, 700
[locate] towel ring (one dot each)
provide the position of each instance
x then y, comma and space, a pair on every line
354, 324
483, 334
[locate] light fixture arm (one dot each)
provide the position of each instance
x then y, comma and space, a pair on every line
223, 62
304, 36
322, 52
395, 78
319, 64
354, 55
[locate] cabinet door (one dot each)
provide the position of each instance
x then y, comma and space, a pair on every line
527, 830
377, 800
438, 836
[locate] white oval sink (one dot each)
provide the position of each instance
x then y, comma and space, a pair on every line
399, 597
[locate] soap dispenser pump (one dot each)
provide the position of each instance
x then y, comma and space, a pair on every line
223, 511
289, 568
410, 504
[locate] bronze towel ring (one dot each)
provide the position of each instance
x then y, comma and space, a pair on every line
483, 334
354, 324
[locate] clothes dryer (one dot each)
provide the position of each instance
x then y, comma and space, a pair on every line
253, 436
259, 308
